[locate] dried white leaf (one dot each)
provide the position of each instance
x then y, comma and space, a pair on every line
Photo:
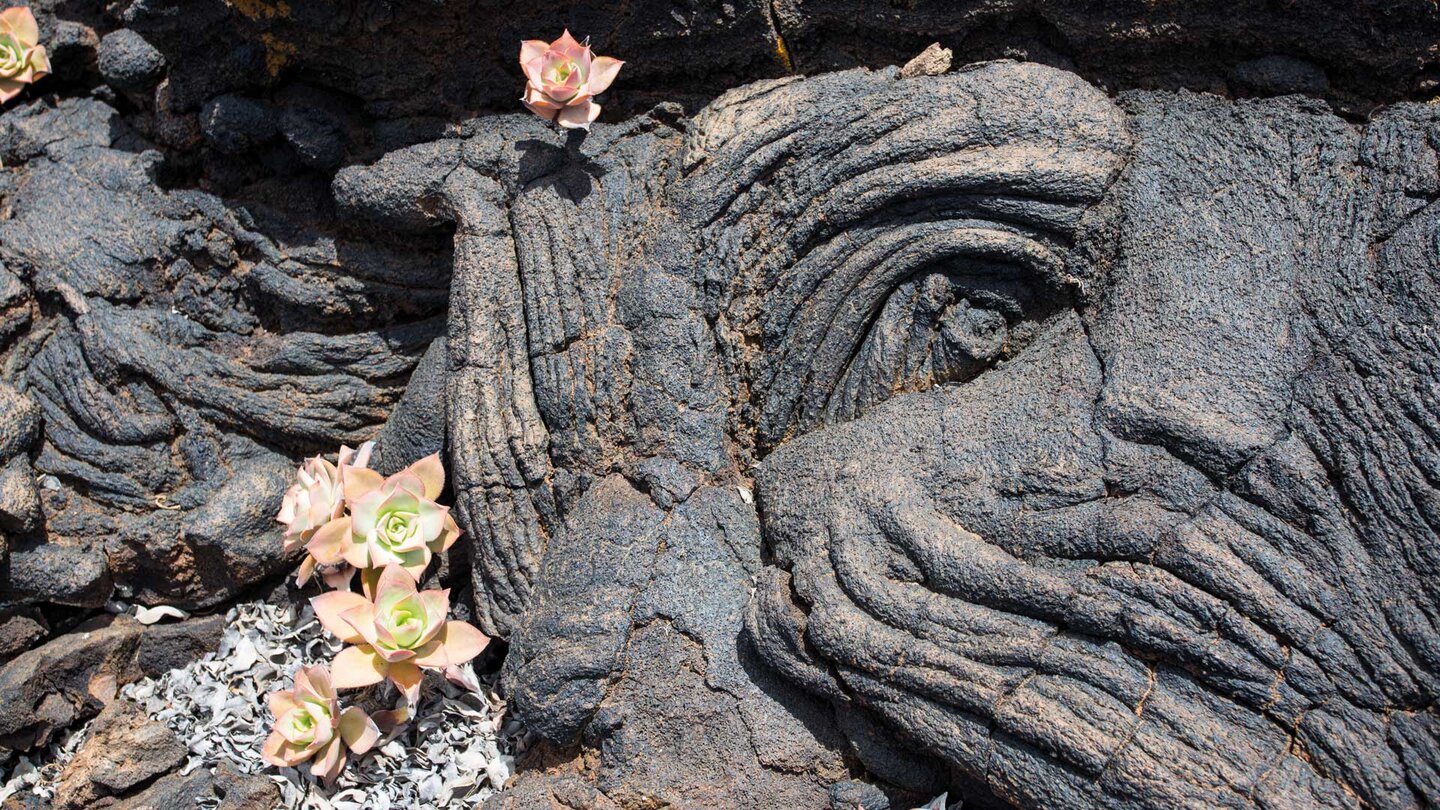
151, 615
245, 655
498, 770
441, 759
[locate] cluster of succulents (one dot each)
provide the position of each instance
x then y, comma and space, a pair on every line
352, 520
22, 58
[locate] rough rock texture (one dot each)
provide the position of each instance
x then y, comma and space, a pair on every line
839, 440
182, 363
240, 90
125, 749
130, 762
1370, 48
128, 62
425, 63
1178, 549
1092, 444
18, 632
164, 647
264, 99
67, 680
72, 677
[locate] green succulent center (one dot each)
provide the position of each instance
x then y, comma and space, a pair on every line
562, 70
12, 55
406, 622
305, 721
396, 527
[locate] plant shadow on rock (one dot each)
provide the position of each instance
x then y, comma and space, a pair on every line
566, 167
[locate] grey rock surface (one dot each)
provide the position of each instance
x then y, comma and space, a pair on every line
186, 364
406, 60
1077, 451
828, 440
1368, 47
416, 427
128, 62
384, 74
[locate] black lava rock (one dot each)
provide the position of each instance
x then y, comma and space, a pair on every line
128, 62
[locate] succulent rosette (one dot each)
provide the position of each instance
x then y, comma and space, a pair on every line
316, 499
22, 58
310, 726
402, 631
392, 521
562, 78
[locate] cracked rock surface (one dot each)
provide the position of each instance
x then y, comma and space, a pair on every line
1049, 435
1091, 441
179, 362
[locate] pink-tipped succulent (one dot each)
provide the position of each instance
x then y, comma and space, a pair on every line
314, 501
562, 78
309, 726
401, 632
392, 521
22, 58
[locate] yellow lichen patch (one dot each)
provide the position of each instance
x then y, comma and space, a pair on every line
260, 9
277, 53
784, 53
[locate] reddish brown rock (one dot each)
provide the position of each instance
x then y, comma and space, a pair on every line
18, 632
66, 680
125, 750
74, 676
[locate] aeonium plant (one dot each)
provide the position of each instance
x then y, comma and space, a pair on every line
310, 726
316, 499
392, 521
22, 58
397, 635
562, 78
350, 518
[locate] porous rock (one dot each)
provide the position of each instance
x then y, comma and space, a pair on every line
168, 646
176, 398
1029, 429
1374, 47
128, 62
19, 498
416, 428
19, 632
124, 750
131, 762
239, 791
831, 437
46, 571
932, 61
68, 679
19, 421
76, 674
438, 63
1278, 76
235, 124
